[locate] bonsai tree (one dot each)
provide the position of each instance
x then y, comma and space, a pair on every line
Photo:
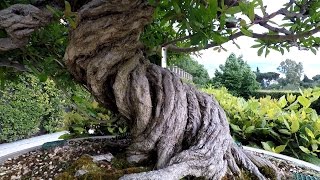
186, 129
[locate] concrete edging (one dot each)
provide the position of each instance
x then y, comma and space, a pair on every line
284, 157
8, 150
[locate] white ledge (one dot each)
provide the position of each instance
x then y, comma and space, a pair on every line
280, 156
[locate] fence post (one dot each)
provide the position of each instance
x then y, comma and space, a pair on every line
164, 57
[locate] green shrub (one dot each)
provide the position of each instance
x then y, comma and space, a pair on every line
286, 125
277, 94
29, 107
87, 115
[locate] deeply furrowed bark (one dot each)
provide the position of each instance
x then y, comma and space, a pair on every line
19, 21
187, 129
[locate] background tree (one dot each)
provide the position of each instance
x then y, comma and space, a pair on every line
292, 70
236, 76
184, 127
306, 82
265, 78
199, 73
316, 77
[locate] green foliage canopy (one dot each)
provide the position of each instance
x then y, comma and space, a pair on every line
236, 76
182, 26
292, 70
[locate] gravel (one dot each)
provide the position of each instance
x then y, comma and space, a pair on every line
47, 163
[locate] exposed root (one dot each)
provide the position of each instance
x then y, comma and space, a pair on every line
208, 167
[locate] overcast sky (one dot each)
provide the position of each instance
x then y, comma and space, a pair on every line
212, 59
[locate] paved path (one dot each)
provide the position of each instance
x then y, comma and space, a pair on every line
22, 145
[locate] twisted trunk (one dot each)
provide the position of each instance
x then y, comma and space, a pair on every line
185, 128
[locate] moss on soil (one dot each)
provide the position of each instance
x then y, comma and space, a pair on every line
119, 167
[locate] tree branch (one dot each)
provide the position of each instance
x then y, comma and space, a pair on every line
177, 40
20, 21
279, 38
15, 65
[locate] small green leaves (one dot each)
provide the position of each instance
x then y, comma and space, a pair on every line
267, 145
313, 50
235, 127
309, 133
249, 129
294, 124
260, 51
280, 148
304, 149
304, 101
277, 125
67, 10
291, 98
246, 32
282, 101
213, 7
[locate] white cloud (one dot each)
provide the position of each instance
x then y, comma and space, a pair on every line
212, 59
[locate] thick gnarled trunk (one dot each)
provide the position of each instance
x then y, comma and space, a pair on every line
186, 128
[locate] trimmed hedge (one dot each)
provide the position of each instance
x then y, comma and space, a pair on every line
29, 107
286, 125
276, 94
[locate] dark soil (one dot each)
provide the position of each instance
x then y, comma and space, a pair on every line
52, 162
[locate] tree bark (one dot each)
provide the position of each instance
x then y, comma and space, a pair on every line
186, 129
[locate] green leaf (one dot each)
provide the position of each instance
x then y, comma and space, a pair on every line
110, 129
286, 124
260, 51
249, 129
284, 131
78, 129
235, 127
291, 98
256, 46
295, 125
304, 101
313, 50
309, 133
176, 7
304, 149
267, 145
280, 148
67, 10
213, 6
251, 14
282, 101
233, 10
246, 32
282, 50
267, 52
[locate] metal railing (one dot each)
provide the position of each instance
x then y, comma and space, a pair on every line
180, 72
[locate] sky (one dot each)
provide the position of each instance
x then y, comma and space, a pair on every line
212, 59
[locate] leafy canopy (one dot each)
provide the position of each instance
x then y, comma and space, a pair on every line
181, 25
236, 76
201, 24
292, 70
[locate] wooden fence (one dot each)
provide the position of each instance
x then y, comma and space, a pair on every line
181, 73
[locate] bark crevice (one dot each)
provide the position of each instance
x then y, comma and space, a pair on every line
186, 129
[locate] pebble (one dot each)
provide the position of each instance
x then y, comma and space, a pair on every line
80, 172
